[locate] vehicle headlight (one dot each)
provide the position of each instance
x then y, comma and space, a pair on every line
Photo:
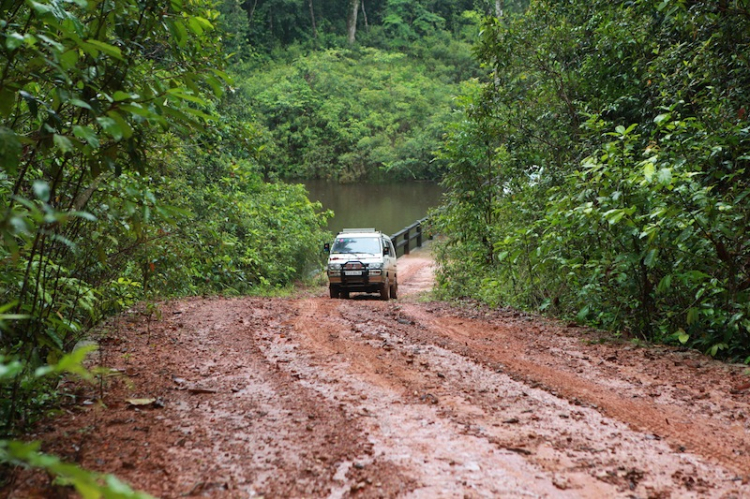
376, 266
334, 269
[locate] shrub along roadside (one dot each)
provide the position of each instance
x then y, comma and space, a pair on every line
602, 173
119, 183
353, 114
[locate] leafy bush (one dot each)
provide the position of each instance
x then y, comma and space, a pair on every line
351, 115
15, 453
119, 180
602, 172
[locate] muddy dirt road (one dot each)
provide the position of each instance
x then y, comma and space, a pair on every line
313, 397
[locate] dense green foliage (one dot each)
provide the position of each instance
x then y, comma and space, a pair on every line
120, 181
87, 484
126, 174
375, 110
369, 108
273, 25
350, 115
601, 171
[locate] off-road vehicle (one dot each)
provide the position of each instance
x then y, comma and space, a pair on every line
362, 260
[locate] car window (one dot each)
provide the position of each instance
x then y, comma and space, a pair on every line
387, 244
352, 245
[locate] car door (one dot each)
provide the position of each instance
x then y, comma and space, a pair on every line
390, 258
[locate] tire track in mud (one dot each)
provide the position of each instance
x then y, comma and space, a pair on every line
318, 331
491, 345
683, 429
404, 373
323, 328
396, 399
363, 398
262, 431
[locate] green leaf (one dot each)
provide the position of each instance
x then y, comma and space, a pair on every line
10, 370
120, 96
88, 484
664, 176
224, 76
216, 85
85, 215
80, 103
73, 362
692, 316
138, 110
7, 102
182, 94
111, 127
13, 41
682, 336
41, 190
125, 128
715, 348
87, 134
648, 171
583, 313
177, 28
63, 143
198, 113
40, 9
10, 150
94, 46
69, 59
195, 26
181, 117
614, 216
665, 284
205, 23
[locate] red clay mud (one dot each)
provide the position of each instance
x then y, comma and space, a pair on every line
313, 397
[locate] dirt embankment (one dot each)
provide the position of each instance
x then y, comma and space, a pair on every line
313, 397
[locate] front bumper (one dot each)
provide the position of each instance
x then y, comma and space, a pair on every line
356, 276
352, 281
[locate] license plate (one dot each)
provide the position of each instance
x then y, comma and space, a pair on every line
352, 272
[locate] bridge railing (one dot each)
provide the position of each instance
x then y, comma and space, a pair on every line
402, 240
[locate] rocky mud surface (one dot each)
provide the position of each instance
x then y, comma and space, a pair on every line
313, 397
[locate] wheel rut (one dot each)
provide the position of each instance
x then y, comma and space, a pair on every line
334, 398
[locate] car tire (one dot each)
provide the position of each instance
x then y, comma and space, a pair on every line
334, 290
344, 295
385, 291
394, 290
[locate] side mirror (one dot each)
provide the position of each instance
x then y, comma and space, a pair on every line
386, 251
327, 247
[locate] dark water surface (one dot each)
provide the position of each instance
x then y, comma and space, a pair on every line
385, 207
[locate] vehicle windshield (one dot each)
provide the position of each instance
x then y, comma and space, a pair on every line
353, 245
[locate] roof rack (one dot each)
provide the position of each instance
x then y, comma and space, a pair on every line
370, 229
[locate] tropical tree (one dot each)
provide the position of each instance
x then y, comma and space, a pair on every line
86, 90
626, 137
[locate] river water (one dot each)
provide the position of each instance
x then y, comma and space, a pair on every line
385, 207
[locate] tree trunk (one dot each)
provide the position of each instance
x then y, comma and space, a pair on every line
364, 15
250, 10
351, 21
312, 18
499, 8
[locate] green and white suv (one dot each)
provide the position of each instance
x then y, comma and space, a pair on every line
362, 260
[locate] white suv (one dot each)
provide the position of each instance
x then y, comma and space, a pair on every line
362, 260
